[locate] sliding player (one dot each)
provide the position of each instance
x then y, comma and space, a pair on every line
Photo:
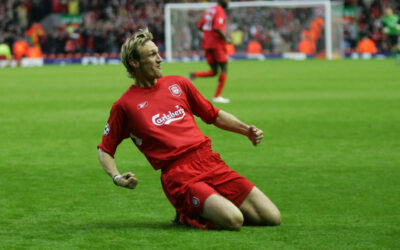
157, 114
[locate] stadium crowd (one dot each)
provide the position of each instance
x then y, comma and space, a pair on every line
367, 23
105, 25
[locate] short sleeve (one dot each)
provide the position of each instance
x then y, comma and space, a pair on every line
199, 105
219, 21
115, 131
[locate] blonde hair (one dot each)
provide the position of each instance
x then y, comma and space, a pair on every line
130, 49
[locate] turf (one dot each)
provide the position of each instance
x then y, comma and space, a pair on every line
330, 158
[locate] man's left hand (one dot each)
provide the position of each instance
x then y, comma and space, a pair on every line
255, 135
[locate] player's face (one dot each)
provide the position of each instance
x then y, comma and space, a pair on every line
388, 12
150, 61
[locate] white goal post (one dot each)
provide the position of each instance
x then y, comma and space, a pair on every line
172, 10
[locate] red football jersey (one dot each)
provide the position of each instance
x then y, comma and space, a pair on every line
159, 120
213, 18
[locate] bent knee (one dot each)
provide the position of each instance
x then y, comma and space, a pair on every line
264, 218
276, 219
273, 218
233, 221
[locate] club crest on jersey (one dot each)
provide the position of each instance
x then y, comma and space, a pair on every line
168, 117
106, 129
142, 105
175, 90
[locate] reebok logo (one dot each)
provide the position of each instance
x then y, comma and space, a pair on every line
142, 105
170, 116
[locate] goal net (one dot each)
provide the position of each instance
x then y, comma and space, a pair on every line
260, 29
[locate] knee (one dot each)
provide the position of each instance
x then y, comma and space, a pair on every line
223, 213
273, 218
214, 70
224, 69
277, 219
233, 221
266, 217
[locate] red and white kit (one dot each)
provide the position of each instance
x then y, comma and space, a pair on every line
159, 120
214, 45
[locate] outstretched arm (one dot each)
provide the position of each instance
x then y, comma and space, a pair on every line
229, 122
127, 180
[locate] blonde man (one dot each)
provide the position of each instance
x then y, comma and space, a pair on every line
157, 112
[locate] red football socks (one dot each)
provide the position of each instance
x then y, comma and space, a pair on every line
197, 222
221, 84
207, 73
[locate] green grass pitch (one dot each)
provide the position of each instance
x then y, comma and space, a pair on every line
330, 158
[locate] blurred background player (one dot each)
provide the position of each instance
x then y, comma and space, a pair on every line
213, 24
391, 29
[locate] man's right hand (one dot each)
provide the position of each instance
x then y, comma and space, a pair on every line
127, 180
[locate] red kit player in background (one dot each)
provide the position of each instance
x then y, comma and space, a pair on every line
214, 42
157, 113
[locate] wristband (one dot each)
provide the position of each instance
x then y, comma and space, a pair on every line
115, 177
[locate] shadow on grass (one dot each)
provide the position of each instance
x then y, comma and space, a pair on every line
122, 225
144, 225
